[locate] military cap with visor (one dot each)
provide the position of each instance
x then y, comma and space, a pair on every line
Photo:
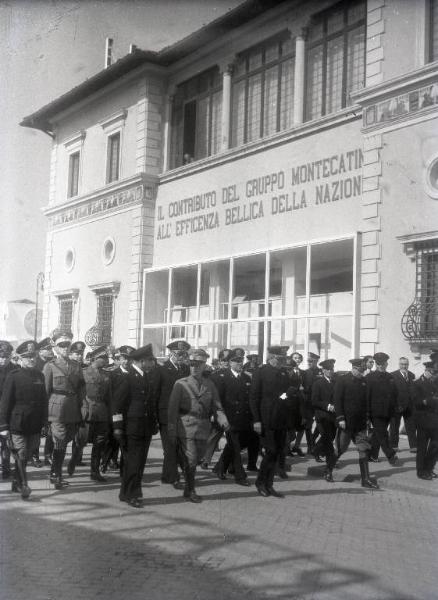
381, 357
328, 364
27, 349
141, 353
62, 338
178, 346
278, 350
198, 355
78, 347
313, 356
357, 362
124, 351
99, 353
45, 344
236, 355
5, 349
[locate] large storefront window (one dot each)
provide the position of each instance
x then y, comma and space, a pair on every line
335, 58
263, 90
196, 118
301, 297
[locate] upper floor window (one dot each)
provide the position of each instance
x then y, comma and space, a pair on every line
73, 174
197, 114
65, 319
433, 30
113, 158
335, 58
262, 92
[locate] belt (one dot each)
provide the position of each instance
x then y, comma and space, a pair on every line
63, 393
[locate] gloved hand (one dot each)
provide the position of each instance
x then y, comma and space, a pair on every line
120, 436
4, 433
342, 424
257, 427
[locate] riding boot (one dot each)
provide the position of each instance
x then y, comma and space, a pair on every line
96, 453
309, 440
20, 465
189, 489
6, 459
74, 460
365, 475
56, 470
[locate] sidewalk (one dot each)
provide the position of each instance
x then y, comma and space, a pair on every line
323, 541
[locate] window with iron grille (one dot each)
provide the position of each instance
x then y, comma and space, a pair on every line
433, 21
113, 158
263, 91
335, 64
105, 302
73, 175
196, 118
65, 313
427, 288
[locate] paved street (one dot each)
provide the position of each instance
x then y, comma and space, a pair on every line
323, 541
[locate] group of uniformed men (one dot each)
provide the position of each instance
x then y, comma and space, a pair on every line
265, 409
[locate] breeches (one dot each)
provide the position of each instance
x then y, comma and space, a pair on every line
62, 434
360, 439
24, 445
192, 450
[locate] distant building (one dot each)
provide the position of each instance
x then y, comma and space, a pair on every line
271, 179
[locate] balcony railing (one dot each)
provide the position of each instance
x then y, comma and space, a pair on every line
420, 321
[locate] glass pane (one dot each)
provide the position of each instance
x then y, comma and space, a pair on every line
202, 120
315, 32
331, 337
355, 61
156, 293
247, 335
271, 52
331, 285
287, 94
335, 60
255, 59
215, 278
287, 282
183, 302
156, 337
254, 107
239, 67
356, 12
213, 338
287, 47
249, 287
287, 332
216, 123
314, 83
335, 21
238, 114
270, 101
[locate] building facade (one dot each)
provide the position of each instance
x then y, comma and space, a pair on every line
272, 179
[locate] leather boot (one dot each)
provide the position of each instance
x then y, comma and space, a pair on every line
309, 440
365, 475
96, 453
189, 490
6, 460
56, 470
25, 490
71, 467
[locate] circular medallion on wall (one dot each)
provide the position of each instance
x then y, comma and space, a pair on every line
432, 177
69, 259
108, 251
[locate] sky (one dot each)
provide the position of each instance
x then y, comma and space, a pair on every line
46, 48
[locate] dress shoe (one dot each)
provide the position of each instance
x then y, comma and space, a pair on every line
374, 459
273, 492
178, 485
204, 465
369, 483
328, 476
433, 474
192, 497
262, 490
243, 482
36, 462
296, 450
252, 468
393, 460
60, 483
96, 476
318, 458
282, 474
220, 475
135, 502
426, 476
25, 492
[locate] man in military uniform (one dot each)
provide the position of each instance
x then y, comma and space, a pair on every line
79, 442
426, 420
193, 401
45, 355
96, 408
6, 366
173, 369
117, 374
403, 382
381, 398
252, 363
233, 385
350, 399
270, 411
23, 411
135, 422
323, 405
216, 431
65, 389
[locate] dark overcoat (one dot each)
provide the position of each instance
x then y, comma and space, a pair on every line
268, 385
234, 397
350, 399
23, 404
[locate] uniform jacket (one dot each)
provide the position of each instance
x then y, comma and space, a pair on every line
4, 372
116, 377
234, 397
350, 399
135, 399
65, 389
309, 377
40, 363
322, 396
381, 394
191, 405
23, 404
168, 374
268, 384
404, 390
425, 402
96, 405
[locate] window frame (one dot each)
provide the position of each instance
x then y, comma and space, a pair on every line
109, 158
249, 73
324, 41
73, 182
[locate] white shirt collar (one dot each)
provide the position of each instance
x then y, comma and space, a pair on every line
235, 373
138, 369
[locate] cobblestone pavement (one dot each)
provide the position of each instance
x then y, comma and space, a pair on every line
322, 542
